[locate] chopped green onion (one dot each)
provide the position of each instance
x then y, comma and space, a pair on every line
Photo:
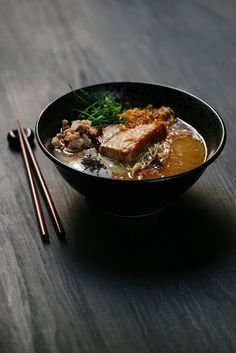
101, 112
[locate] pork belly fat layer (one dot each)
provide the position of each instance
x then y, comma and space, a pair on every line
127, 145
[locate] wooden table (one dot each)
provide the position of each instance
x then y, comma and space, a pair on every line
160, 284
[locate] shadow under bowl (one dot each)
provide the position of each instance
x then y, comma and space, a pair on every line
135, 197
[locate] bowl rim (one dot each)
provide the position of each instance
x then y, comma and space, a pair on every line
199, 168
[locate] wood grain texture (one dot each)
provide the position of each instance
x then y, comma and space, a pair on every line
162, 284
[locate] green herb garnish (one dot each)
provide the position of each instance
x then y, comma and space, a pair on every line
101, 112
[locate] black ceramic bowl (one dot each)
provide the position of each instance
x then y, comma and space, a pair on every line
136, 197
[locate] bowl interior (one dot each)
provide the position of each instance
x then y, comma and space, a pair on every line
142, 196
186, 106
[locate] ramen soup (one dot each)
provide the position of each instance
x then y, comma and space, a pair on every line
139, 143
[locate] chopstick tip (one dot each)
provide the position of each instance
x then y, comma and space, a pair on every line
45, 238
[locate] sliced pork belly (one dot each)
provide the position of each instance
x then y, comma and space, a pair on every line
128, 144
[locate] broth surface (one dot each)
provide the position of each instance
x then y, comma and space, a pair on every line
187, 151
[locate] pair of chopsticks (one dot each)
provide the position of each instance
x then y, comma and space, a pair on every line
27, 152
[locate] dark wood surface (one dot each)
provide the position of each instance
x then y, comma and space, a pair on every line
165, 283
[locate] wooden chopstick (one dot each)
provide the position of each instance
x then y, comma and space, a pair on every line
35, 195
58, 224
